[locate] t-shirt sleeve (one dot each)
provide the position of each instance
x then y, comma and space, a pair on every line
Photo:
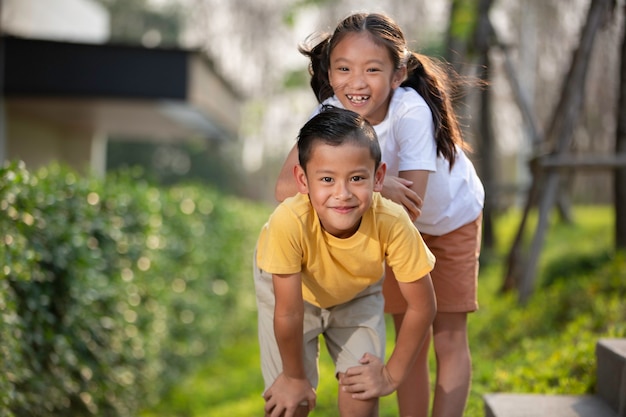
278, 249
407, 254
414, 132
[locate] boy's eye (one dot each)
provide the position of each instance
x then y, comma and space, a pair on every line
326, 179
357, 178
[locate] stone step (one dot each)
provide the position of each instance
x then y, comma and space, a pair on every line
609, 401
611, 373
538, 405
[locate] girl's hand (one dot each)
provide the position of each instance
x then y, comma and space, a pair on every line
370, 380
397, 189
286, 394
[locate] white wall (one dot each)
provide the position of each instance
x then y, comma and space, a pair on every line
64, 20
38, 143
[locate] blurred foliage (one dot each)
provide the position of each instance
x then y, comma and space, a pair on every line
463, 19
112, 289
296, 5
202, 161
137, 21
296, 79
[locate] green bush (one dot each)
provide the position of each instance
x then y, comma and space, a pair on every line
111, 289
548, 345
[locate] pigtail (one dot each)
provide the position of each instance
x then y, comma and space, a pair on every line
432, 82
318, 66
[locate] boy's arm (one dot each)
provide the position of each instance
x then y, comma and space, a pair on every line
419, 316
374, 379
288, 323
292, 387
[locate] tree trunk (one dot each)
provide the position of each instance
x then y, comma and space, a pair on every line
516, 255
620, 147
483, 37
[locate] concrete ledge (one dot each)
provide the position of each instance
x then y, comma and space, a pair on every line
611, 385
537, 405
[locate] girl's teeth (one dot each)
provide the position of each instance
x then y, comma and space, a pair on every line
358, 99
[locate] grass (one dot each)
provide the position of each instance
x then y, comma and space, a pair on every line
544, 346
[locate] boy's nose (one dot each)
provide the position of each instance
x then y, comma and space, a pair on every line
342, 191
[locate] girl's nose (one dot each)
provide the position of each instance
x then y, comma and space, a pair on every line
357, 81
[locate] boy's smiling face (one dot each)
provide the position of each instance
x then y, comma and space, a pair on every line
339, 181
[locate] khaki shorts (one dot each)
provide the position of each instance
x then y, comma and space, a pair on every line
455, 277
350, 330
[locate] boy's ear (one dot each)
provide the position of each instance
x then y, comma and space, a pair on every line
379, 177
301, 180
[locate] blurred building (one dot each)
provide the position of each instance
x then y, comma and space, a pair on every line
66, 90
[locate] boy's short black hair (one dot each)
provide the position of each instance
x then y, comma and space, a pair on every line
335, 126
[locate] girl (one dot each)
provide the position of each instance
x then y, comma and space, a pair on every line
365, 66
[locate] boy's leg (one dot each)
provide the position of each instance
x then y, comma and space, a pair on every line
302, 411
349, 407
353, 329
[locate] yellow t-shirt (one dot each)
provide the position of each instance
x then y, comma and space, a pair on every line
335, 270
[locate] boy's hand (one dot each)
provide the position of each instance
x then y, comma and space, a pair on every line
286, 394
370, 380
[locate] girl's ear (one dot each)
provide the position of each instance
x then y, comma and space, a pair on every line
379, 177
399, 76
301, 180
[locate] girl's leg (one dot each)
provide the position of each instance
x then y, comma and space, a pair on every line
350, 407
454, 364
414, 392
455, 281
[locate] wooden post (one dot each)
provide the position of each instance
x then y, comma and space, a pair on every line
560, 132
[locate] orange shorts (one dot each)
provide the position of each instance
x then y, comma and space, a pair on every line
455, 277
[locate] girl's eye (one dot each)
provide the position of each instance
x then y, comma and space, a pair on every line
326, 179
373, 70
342, 69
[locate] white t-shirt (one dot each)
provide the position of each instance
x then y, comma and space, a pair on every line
453, 198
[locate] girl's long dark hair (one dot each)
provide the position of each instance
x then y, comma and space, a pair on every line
429, 77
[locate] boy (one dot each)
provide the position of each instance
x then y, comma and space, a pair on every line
319, 264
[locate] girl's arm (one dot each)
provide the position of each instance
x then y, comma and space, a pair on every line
407, 190
291, 388
286, 183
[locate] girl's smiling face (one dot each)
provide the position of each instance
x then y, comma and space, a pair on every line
339, 181
363, 76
